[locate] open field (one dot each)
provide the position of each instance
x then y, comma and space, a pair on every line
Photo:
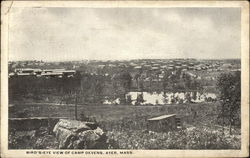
126, 126
190, 114
112, 112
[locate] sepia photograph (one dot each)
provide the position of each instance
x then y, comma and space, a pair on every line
105, 79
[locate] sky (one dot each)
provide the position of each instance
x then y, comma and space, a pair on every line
59, 34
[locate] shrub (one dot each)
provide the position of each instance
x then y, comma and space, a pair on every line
193, 138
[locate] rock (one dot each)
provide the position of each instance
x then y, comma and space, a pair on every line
72, 134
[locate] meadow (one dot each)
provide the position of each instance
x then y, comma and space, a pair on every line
126, 125
112, 112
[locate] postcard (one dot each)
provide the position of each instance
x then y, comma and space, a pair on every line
124, 79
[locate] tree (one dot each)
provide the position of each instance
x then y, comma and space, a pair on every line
188, 97
194, 97
230, 96
126, 80
137, 77
188, 81
166, 80
165, 100
139, 99
122, 84
123, 79
129, 99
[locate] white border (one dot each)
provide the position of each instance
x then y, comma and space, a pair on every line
135, 4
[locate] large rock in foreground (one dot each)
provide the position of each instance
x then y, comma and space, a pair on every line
72, 134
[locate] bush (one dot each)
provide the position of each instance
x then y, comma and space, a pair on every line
23, 114
193, 138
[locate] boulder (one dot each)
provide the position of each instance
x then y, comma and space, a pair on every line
72, 134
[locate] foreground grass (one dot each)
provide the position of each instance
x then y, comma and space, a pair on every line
126, 126
191, 138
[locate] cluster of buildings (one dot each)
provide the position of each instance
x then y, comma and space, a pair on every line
157, 68
147, 68
160, 65
42, 72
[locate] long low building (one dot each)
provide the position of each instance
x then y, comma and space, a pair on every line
40, 72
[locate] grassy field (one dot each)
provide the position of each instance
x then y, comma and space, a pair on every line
112, 112
125, 125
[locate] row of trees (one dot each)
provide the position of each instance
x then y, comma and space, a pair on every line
84, 84
171, 81
88, 87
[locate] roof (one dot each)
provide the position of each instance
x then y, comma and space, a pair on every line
137, 67
24, 69
24, 74
154, 68
54, 70
65, 71
52, 73
161, 117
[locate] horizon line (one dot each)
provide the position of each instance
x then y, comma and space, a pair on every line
127, 59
